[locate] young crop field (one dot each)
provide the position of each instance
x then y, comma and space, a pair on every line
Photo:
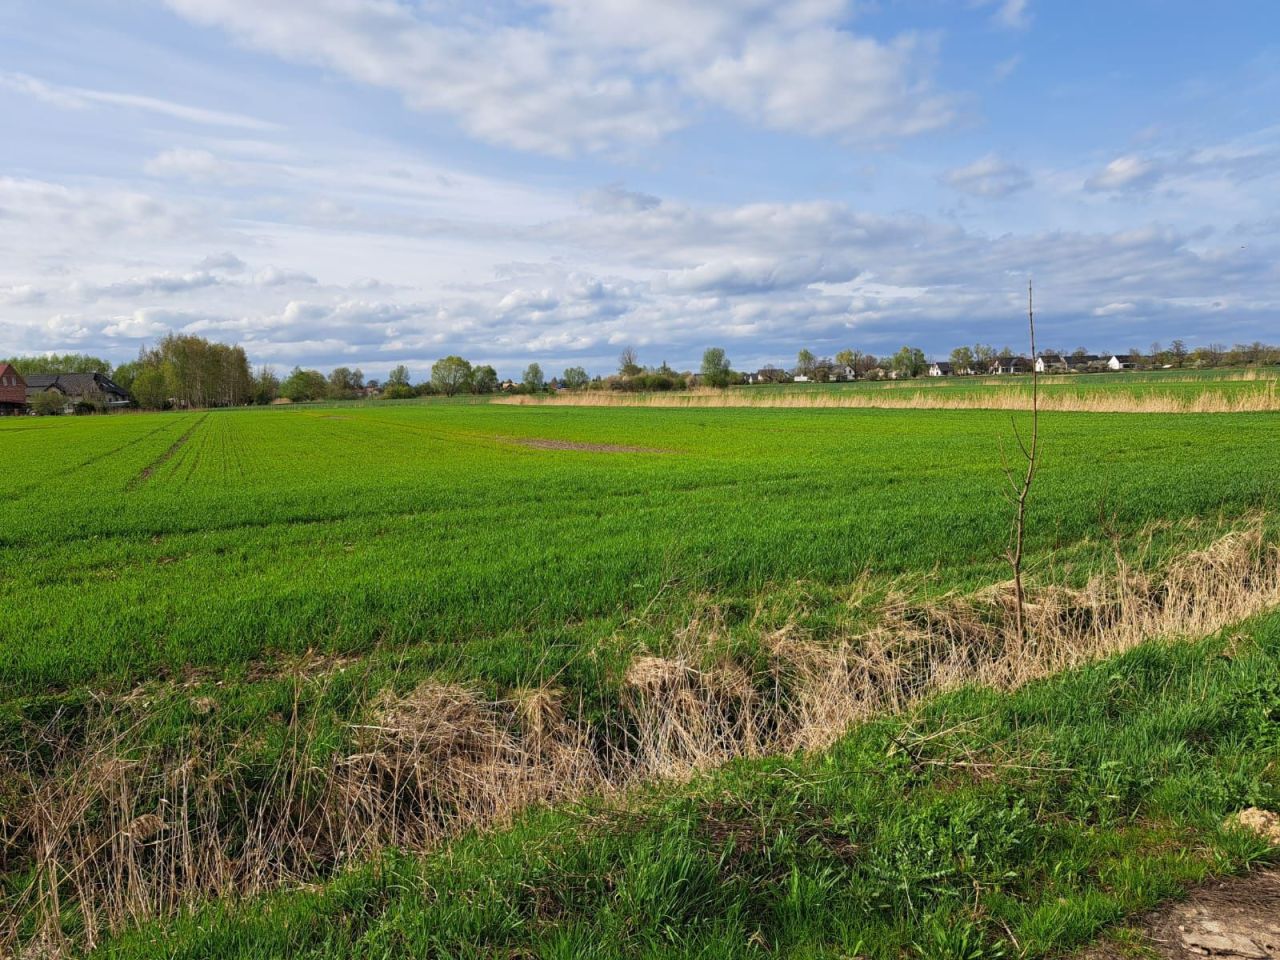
265, 646
140, 545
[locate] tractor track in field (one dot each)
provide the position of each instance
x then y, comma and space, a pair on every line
26, 489
145, 474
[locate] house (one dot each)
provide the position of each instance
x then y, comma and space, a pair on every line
91, 389
1008, 365
767, 375
13, 390
800, 378
1122, 361
1066, 363
940, 368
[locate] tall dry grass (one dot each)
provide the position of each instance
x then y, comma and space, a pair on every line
114, 832
1014, 397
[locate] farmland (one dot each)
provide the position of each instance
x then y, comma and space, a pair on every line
268, 615
145, 544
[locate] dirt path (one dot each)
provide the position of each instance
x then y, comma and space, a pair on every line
1233, 919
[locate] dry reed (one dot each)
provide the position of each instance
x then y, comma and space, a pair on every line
1013, 397
115, 833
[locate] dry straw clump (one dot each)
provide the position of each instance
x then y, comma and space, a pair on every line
123, 833
1000, 397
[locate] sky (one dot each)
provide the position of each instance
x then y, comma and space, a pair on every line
374, 182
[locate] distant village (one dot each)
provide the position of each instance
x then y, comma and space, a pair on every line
185, 372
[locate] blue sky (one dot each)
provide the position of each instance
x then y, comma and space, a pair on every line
369, 182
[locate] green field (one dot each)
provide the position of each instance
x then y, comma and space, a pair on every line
138, 545
246, 587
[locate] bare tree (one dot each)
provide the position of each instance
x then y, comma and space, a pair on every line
1020, 490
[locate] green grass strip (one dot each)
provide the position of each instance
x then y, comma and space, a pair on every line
985, 825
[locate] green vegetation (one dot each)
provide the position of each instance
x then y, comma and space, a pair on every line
983, 825
228, 605
148, 544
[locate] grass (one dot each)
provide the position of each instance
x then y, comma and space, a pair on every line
982, 825
269, 533
300, 636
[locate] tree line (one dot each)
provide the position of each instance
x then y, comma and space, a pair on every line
185, 371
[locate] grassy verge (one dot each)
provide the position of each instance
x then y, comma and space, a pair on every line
982, 824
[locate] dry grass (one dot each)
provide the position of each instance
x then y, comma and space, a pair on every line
1007, 397
120, 833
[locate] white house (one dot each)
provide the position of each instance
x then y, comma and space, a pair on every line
940, 368
800, 378
1121, 361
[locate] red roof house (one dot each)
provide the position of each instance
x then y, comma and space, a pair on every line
13, 390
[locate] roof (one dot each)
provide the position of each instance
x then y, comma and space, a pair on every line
76, 384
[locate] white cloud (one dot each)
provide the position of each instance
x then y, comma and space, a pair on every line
1128, 172
76, 98
988, 176
226, 262
1012, 14
276, 277
577, 75
192, 164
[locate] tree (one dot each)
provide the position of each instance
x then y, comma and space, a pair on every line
1178, 352
715, 368
61, 363
962, 360
846, 358
450, 375
805, 362
575, 378
1020, 491
126, 373
984, 355
909, 362
303, 385
200, 373
484, 379
48, 403
266, 385
149, 388
345, 383
397, 386
628, 365
533, 379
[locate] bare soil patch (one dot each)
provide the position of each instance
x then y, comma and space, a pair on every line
540, 443
1233, 919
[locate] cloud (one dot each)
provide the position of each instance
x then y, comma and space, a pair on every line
616, 199
226, 262
1128, 172
78, 98
1005, 68
988, 176
1012, 14
162, 283
189, 164
276, 277
575, 75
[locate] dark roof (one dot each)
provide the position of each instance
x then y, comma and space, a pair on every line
76, 384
